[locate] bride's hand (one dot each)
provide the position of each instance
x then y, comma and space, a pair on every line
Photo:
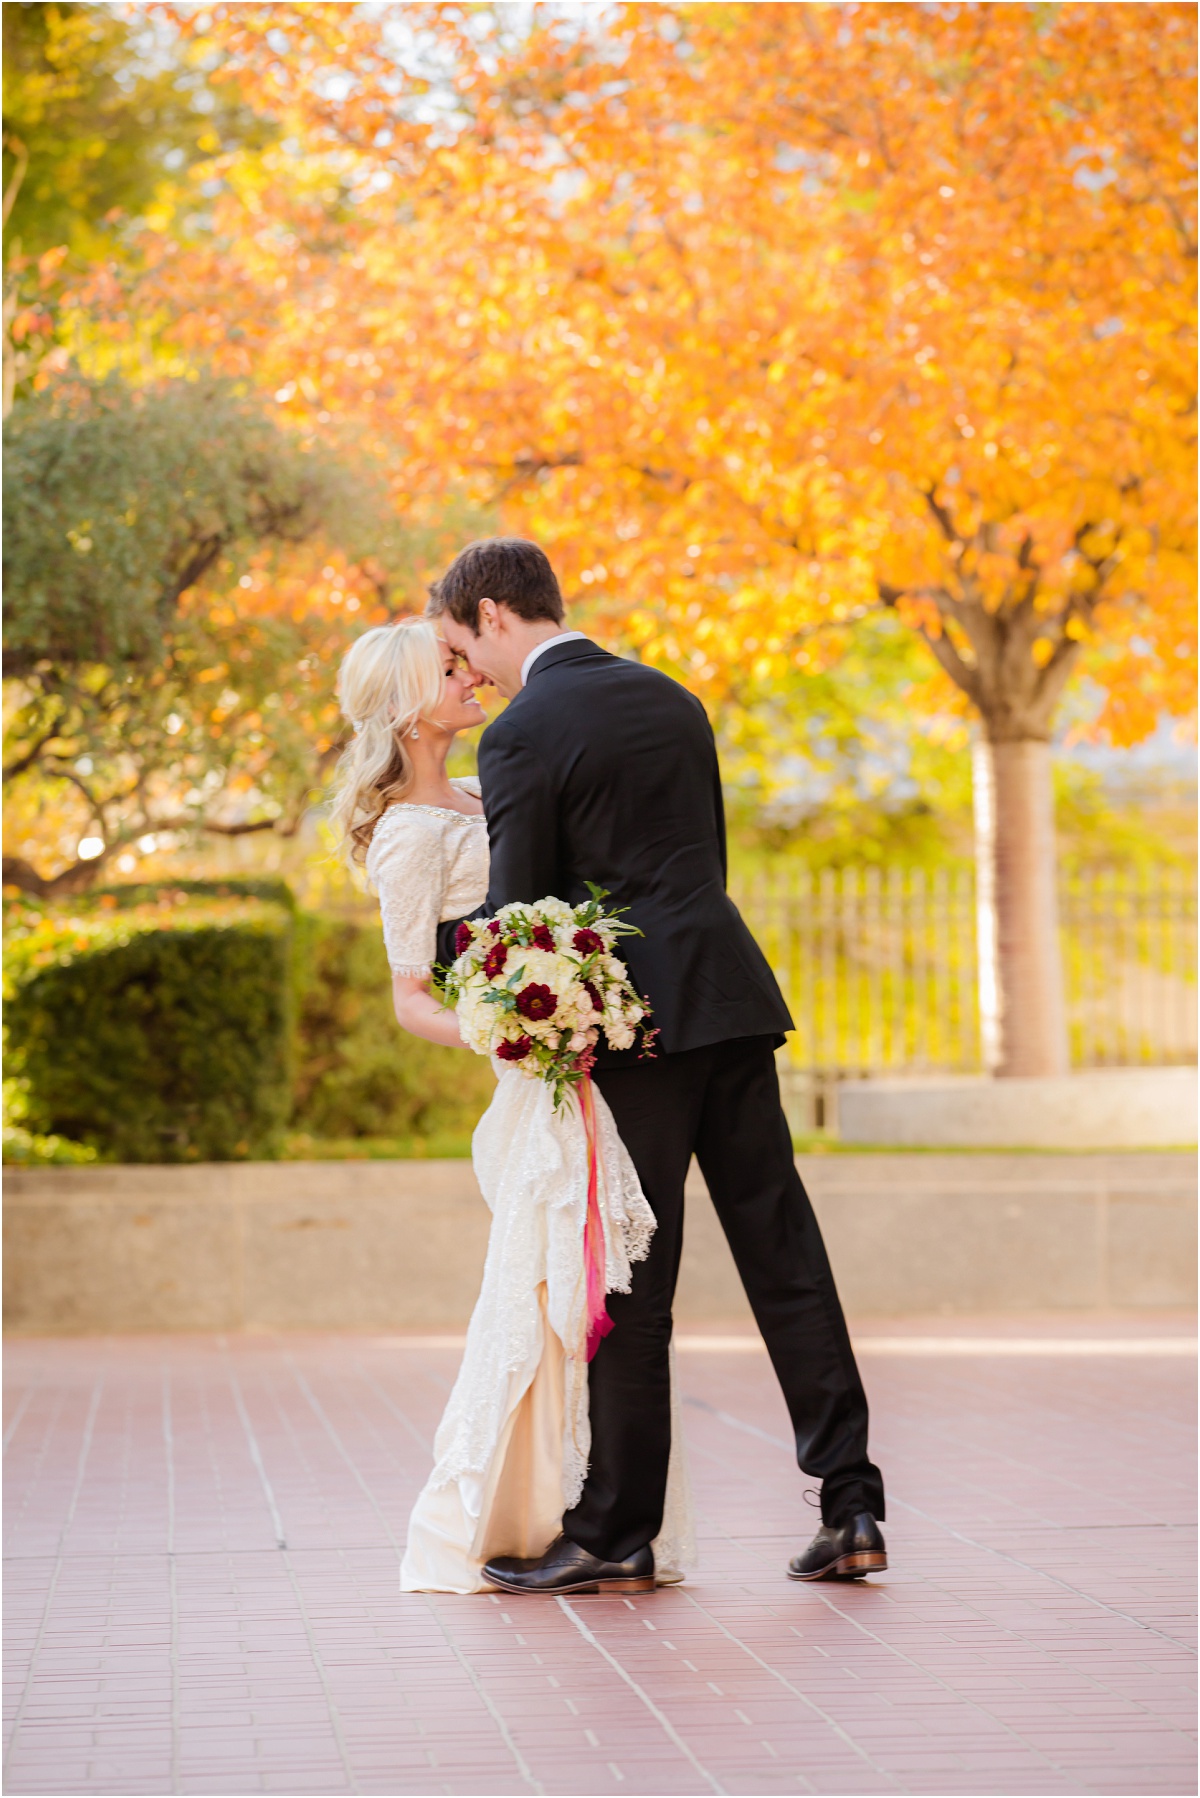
420, 1013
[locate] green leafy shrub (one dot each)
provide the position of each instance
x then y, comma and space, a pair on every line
269, 888
187, 1019
121, 498
358, 1075
22, 1148
153, 1033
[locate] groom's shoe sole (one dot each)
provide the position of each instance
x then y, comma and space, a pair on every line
846, 1567
621, 1586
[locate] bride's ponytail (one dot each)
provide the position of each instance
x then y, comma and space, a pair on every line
389, 679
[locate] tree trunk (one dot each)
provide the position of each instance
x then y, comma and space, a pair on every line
1022, 1010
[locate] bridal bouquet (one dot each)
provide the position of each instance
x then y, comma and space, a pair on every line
536, 984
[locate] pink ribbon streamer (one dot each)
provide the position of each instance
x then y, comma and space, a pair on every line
599, 1323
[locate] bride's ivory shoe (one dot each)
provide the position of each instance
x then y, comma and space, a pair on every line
565, 1567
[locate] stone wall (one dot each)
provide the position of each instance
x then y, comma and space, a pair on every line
399, 1245
1098, 1108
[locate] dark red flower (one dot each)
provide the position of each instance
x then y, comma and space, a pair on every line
536, 1002
494, 960
514, 1051
587, 943
462, 938
543, 939
593, 995
493, 927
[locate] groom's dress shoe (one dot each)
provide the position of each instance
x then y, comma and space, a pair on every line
848, 1552
565, 1567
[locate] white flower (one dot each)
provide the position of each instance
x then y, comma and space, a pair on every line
536, 965
556, 912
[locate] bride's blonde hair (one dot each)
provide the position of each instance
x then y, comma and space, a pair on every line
389, 679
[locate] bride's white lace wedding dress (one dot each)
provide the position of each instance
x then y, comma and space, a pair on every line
511, 1452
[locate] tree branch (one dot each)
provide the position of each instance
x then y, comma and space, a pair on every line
965, 678
211, 825
19, 873
18, 149
1053, 675
12, 769
97, 805
194, 569
942, 515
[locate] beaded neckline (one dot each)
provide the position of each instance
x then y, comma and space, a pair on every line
447, 811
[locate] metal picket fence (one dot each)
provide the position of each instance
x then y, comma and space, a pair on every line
879, 965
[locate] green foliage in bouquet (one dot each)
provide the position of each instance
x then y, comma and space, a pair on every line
159, 1032
358, 1075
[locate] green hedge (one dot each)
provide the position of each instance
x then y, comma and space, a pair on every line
358, 1075
189, 1020
178, 892
158, 1032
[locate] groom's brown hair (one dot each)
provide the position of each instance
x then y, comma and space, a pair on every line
508, 570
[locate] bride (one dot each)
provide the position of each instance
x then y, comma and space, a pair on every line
511, 1451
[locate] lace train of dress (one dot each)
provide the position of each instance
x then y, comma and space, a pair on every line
511, 1450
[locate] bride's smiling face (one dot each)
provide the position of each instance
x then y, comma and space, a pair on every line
459, 710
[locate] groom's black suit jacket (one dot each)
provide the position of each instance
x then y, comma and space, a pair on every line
603, 770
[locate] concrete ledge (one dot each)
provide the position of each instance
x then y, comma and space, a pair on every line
1104, 1108
399, 1244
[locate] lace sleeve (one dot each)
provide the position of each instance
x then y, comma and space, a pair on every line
407, 863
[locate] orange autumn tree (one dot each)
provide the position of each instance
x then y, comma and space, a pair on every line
760, 317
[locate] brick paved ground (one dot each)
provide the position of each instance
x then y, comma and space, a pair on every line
203, 1536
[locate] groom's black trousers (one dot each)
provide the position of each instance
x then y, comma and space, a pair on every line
722, 1103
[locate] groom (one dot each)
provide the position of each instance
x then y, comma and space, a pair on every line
603, 770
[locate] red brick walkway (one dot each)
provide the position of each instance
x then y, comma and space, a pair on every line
203, 1536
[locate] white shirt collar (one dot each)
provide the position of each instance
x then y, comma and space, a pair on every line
549, 643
